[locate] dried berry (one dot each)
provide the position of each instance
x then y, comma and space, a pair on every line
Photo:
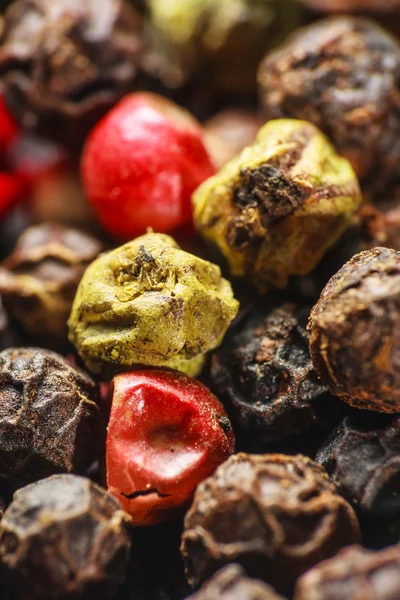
274, 210
273, 514
49, 419
166, 433
265, 375
362, 458
341, 74
228, 132
64, 63
231, 583
39, 280
65, 537
130, 179
354, 574
149, 302
355, 331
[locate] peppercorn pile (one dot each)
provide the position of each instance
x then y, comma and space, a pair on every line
200, 300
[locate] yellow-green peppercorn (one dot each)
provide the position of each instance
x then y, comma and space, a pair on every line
150, 303
275, 209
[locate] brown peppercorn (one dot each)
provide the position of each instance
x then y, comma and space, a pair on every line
65, 537
265, 375
362, 458
341, 74
49, 419
353, 574
355, 331
64, 63
228, 132
38, 281
273, 514
231, 583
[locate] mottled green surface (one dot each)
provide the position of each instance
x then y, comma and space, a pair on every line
148, 302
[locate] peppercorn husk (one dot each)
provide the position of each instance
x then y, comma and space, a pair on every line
148, 302
355, 331
274, 210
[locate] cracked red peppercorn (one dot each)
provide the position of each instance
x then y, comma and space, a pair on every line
167, 432
141, 164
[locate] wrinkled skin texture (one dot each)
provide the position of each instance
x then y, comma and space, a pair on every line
231, 583
49, 419
265, 375
355, 574
167, 432
149, 302
362, 458
341, 74
65, 537
274, 210
64, 63
273, 514
38, 281
355, 331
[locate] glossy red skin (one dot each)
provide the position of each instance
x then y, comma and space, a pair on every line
8, 127
163, 438
141, 164
12, 190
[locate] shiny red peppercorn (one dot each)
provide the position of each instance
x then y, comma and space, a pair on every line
141, 164
167, 432
8, 127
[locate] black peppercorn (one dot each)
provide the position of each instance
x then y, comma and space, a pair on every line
341, 74
64, 537
265, 375
49, 419
38, 281
273, 514
353, 574
64, 63
355, 331
231, 583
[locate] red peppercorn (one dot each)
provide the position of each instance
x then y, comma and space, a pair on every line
167, 432
8, 127
141, 164
12, 188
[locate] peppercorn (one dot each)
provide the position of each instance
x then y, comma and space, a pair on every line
354, 573
341, 74
362, 458
265, 375
355, 336
64, 537
38, 281
228, 132
231, 583
274, 210
64, 64
275, 515
167, 432
49, 419
149, 302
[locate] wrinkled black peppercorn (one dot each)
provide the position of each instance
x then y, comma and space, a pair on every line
231, 583
64, 537
64, 63
355, 332
353, 574
49, 419
38, 281
341, 74
265, 376
273, 514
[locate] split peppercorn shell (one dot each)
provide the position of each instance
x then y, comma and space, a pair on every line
63, 538
148, 302
49, 418
341, 73
273, 514
354, 573
274, 210
355, 331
